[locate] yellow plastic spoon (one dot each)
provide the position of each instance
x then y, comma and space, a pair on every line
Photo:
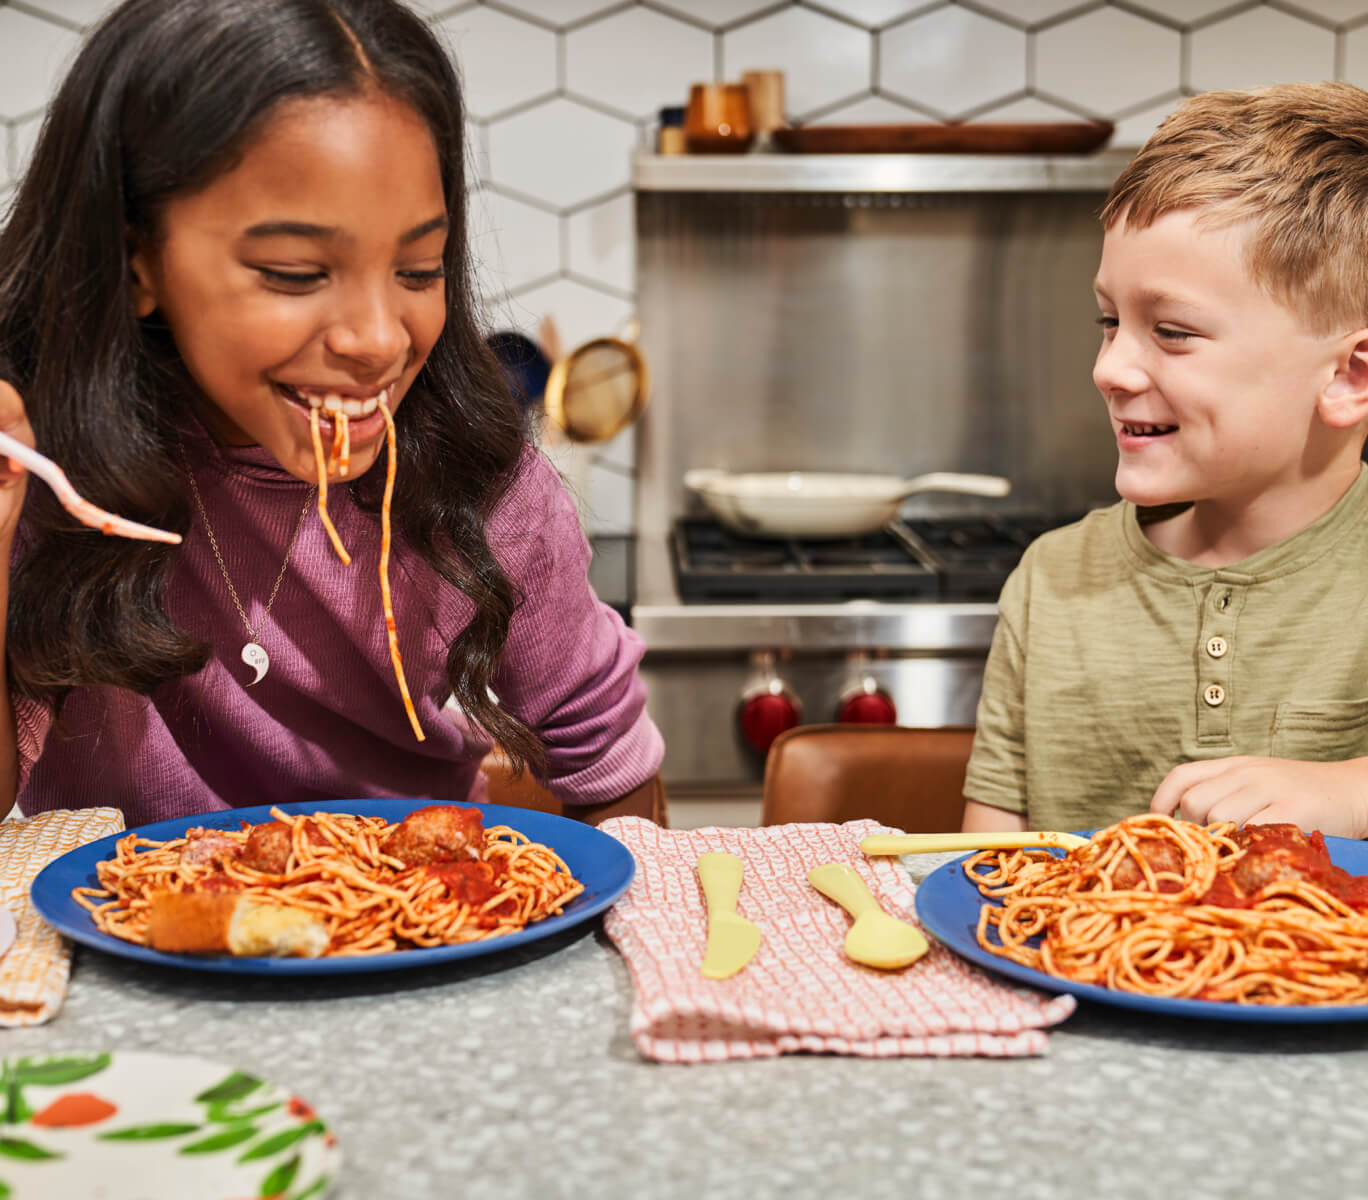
934, 843
876, 938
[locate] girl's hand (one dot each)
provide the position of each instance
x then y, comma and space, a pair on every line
1331, 797
13, 478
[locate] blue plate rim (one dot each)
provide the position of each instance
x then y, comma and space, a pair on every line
600, 861
947, 906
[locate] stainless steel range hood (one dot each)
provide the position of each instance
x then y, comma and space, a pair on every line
946, 326
898, 314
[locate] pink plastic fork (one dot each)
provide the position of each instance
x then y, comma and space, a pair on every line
85, 512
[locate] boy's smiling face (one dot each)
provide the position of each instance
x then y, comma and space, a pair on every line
1216, 390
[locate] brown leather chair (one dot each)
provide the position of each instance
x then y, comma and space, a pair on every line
524, 791
912, 779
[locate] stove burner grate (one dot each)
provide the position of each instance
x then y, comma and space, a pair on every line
714, 565
974, 555
940, 558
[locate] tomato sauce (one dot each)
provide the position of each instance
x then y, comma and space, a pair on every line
469, 882
1274, 853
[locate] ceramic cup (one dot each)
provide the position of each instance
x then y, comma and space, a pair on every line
766, 91
718, 119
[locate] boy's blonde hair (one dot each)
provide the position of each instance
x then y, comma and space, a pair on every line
1291, 163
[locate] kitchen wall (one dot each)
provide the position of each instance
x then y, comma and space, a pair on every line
562, 92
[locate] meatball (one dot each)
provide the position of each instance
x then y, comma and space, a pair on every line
438, 833
268, 846
207, 847
1275, 852
1161, 856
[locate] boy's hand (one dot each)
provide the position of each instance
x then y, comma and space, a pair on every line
1331, 797
14, 421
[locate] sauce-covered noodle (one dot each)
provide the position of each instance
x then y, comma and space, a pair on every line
1163, 907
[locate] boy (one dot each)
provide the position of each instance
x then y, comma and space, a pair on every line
1201, 648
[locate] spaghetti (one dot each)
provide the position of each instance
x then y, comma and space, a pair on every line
391, 632
435, 879
321, 463
339, 460
1162, 907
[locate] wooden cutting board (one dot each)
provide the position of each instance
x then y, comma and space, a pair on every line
1069, 137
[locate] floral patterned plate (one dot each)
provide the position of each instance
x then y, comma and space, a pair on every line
143, 1126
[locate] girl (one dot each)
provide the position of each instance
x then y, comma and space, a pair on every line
234, 276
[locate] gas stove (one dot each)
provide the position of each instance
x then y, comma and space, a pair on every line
714, 565
748, 636
949, 558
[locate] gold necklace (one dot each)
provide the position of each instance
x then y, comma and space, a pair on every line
253, 653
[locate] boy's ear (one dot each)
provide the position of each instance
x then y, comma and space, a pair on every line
140, 267
1344, 400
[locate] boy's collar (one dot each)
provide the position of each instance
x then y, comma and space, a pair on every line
1306, 546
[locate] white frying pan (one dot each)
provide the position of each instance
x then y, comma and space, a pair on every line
819, 504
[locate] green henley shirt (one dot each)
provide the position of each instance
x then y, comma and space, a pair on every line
1112, 662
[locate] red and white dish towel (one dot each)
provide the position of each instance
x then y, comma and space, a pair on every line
800, 992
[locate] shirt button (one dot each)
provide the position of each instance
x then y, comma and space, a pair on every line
1223, 601
1214, 694
1217, 646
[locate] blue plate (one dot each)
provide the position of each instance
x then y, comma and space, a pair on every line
602, 863
948, 906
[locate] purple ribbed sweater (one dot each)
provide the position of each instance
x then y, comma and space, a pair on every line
327, 721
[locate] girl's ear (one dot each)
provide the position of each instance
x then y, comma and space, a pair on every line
140, 267
1343, 401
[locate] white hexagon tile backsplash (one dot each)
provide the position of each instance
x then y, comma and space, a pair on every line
561, 92
923, 60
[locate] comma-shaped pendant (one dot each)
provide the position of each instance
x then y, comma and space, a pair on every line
256, 658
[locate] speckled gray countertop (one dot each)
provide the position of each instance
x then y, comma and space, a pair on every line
513, 1076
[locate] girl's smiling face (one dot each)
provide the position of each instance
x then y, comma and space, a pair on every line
312, 267
1216, 390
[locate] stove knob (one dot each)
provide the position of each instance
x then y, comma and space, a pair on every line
765, 715
869, 705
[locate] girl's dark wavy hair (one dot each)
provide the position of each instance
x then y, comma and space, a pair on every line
164, 96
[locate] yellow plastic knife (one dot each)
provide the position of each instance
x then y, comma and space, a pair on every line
934, 843
732, 940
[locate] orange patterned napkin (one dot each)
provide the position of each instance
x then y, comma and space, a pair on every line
33, 974
799, 992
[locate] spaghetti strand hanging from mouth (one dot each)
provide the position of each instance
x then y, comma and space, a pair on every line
321, 463
340, 460
391, 446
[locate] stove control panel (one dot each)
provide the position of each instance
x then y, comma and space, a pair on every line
721, 710
770, 704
